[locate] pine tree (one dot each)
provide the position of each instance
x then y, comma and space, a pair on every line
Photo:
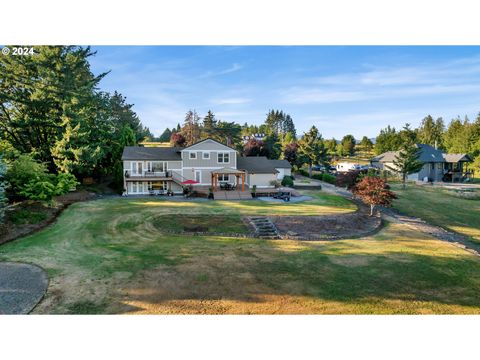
209, 125
366, 144
388, 140
311, 148
348, 145
431, 131
406, 162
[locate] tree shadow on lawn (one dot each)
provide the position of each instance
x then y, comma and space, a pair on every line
307, 281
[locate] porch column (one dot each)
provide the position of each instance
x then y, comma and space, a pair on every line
211, 178
243, 182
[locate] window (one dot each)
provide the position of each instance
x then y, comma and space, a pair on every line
193, 155
158, 166
223, 157
206, 155
223, 177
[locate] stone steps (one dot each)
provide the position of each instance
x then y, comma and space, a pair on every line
264, 228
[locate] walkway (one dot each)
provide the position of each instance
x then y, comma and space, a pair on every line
394, 216
22, 286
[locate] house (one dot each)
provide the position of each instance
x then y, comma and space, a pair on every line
206, 163
437, 165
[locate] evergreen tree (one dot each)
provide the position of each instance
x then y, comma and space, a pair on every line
39, 94
311, 148
457, 138
166, 135
406, 162
431, 131
388, 140
331, 146
366, 144
209, 125
348, 145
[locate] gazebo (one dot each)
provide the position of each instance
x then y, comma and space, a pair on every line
228, 171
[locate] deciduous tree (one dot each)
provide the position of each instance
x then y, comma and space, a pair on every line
374, 191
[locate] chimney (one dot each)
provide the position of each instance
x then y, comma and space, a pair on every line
435, 144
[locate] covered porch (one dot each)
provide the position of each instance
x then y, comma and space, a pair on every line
239, 179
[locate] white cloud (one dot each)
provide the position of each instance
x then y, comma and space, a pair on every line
231, 69
231, 101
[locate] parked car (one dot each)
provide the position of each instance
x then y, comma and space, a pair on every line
318, 168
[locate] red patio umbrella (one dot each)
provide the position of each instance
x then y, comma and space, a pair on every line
189, 182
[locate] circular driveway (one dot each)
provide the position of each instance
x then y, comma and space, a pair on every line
22, 286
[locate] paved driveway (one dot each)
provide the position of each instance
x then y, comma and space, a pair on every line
22, 286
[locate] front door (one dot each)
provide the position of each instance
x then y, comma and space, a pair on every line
198, 176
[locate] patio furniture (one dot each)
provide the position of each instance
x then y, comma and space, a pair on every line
282, 195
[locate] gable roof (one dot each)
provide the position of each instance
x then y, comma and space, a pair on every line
256, 165
454, 158
203, 140
151, 153
281, 164
427, 154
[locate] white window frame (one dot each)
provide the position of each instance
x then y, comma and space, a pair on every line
207, 157
192, 155
223, 157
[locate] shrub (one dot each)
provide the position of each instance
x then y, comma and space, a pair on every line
274, 183
39, 189
348, 179
329, 178
287, 181
65, 183
21, 172
317, 177
303, 172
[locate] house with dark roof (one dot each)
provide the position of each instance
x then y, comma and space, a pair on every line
437, 165
205, 163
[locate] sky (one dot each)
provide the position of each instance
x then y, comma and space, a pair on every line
340, 89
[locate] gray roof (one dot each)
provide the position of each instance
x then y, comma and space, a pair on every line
454, 158
151, 153
281, 164
427, 154
256, 165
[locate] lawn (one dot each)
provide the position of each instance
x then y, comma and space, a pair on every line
440, 207
108, 256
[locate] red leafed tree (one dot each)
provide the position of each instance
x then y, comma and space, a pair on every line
178, 139
290, 153
374, 191
253, 147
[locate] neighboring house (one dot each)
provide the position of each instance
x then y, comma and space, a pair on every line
165, 168
437, 166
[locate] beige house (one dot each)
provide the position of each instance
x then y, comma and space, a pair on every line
206, 163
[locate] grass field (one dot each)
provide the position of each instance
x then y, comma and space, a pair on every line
440, 207
107, 256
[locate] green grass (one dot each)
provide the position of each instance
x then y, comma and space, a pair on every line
440, 207
219, 224
107, 256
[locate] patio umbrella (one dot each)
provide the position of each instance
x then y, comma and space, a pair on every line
189, 182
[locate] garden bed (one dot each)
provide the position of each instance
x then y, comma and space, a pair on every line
327, 227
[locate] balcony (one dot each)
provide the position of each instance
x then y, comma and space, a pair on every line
148, 175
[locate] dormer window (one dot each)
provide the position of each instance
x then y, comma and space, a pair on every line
193, 155
224, 157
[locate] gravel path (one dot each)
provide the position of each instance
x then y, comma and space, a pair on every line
22, 286
393, 215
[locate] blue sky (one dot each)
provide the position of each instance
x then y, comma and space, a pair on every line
339, 89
